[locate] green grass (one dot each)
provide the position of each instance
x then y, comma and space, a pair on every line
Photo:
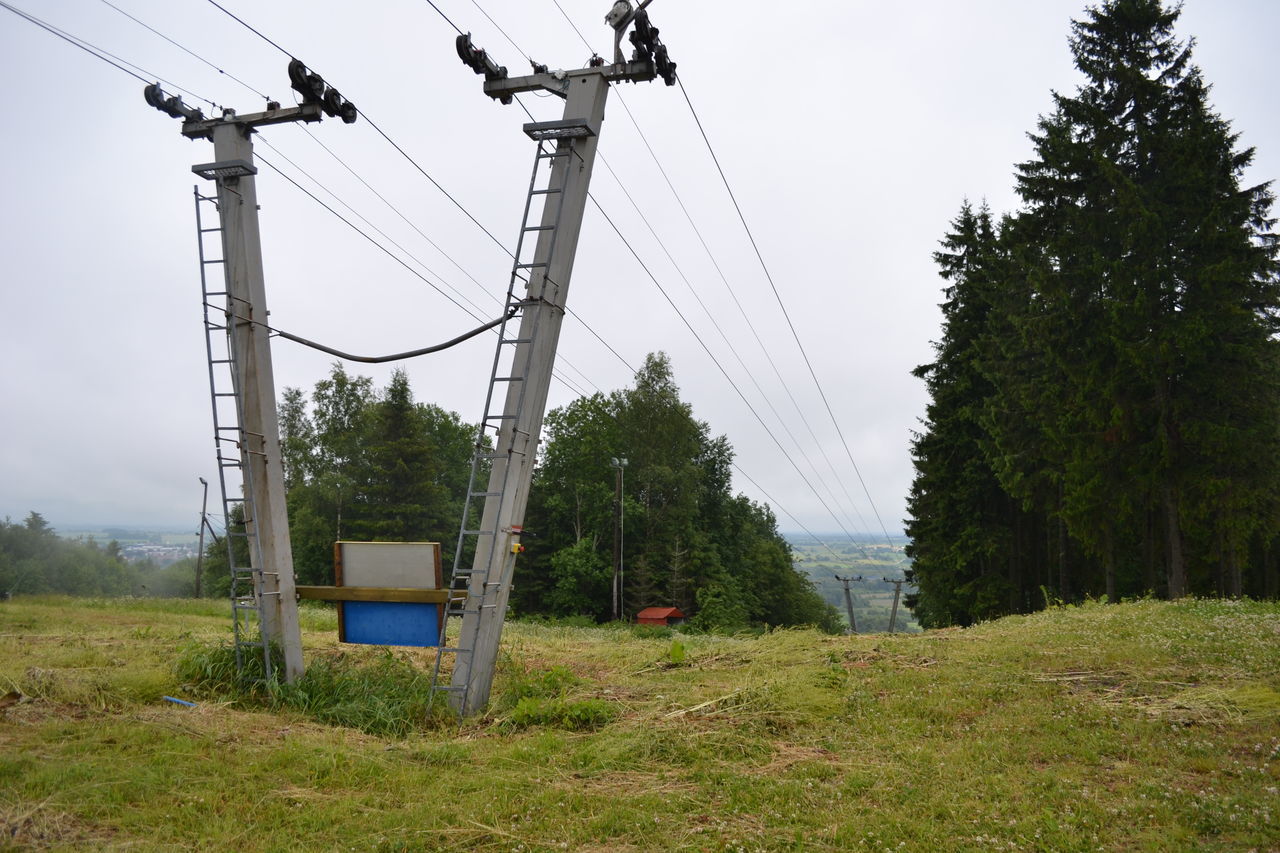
1144, 726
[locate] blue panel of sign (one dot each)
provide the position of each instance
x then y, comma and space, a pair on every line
391, 623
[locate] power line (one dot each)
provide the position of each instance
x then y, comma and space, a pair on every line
75, 41
437, 185
380, 131
732, 349
800, 344
396, 210
585, 325
711, 316
732, 295
786, 386
774, 502
186, 49
575, 26
101, 54
446, 17
242, 23
363, 234
380, 232
501, 30
568, 311
383, 359
428, 176
474, 315
466, 212
716, 362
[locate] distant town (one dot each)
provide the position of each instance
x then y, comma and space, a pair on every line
159, 546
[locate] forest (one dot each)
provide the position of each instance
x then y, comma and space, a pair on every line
368, 464
35, 560
1105, 411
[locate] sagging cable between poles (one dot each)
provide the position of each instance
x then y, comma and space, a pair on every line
400, 356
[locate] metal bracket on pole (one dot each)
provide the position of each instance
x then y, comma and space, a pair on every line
203, 128
559, 82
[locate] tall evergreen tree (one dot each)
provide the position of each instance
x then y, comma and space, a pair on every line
689, 543
398, 495
1129, 353
367, 465
1156, 294
963, 525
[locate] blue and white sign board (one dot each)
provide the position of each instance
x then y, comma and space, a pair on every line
388, 565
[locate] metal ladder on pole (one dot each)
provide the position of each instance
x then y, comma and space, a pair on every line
243, 550
495, 572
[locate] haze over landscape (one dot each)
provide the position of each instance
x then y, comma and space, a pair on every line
850, 135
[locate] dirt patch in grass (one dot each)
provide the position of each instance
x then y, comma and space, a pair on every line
788, 756
42, 827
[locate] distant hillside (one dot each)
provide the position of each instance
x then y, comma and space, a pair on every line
870, 562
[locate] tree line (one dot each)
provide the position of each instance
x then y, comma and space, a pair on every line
688, 541
35, 560
1105, 410
368, 464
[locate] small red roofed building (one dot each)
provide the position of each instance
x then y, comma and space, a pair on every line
660, 616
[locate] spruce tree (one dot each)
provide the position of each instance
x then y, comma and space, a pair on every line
1156, 295
962, 522
1117, 339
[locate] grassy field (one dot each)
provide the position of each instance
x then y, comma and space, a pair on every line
1141, 726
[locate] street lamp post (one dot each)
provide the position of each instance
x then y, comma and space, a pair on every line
204, 522
618, 466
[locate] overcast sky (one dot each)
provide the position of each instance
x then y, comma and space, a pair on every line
850, 132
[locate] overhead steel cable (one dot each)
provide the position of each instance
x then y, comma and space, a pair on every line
436, 184
396, 210
732, 295
365, 235
728, 343
571, 386
433, 181
380, 232
717, 363
794, 334
383, 359
777, 296
446, 17
103, 55
186, 49
242, 23
383, 133
575, 26
490, 19
774, 502
473, 314
567, 310
714, 322
593, 332
499, 243
393, 242
786, 386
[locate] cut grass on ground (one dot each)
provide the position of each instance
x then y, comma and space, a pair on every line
1141, 726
